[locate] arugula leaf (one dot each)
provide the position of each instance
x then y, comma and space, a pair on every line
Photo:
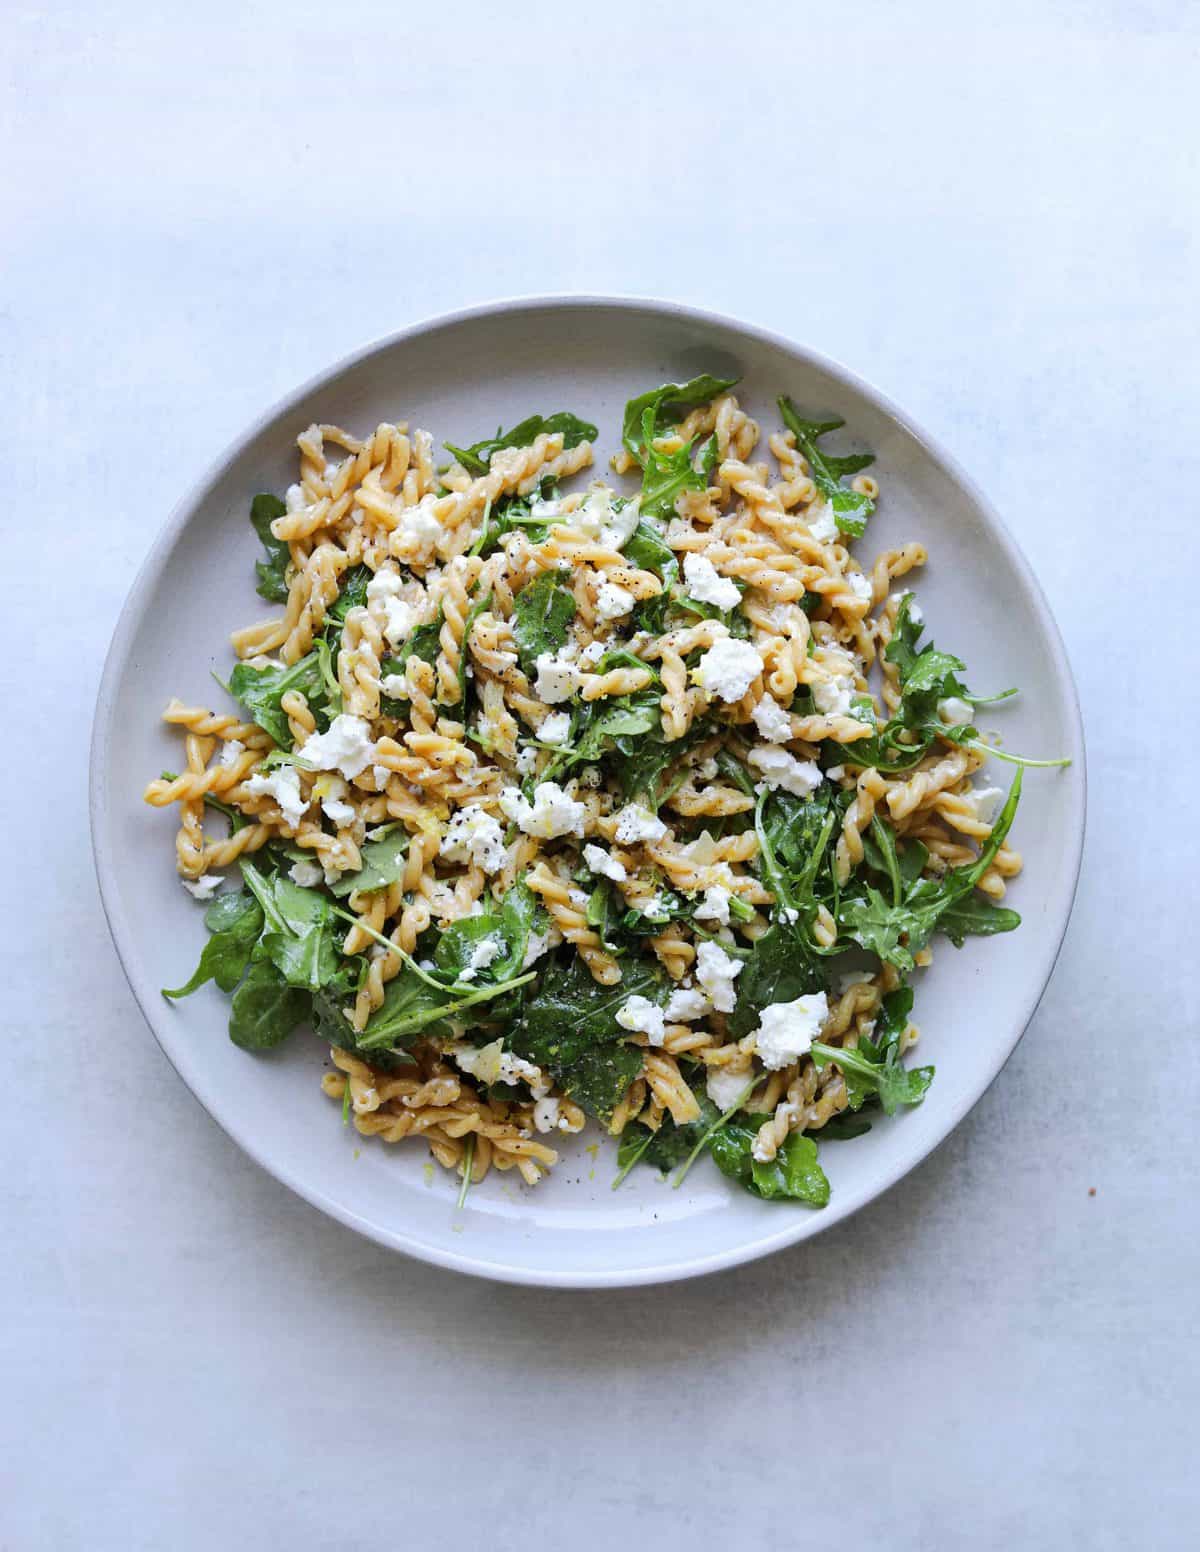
383, 864
299, 940
425, 644
542, 615
476, 459
897, 930
352, 594
235, 920
666, 475
666, 406
668, 1146
272, 572
975, 916
793, 1174
617, 722
265, 1009
570, 1028
473, 613
780, 966
648, 551
260, 691
894, 1084
850, 509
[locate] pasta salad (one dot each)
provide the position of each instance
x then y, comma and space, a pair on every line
548, 800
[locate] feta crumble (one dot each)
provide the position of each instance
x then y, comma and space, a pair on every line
714, 906
546, 1116
728, 668
418, 531
383, 598
613, 601
474, 837
716, 971
556, 680
556, 728
643, 1016
484, 953
686, 1004
552, 813
772, 722
492, 1064
635, 823
526, 760
282, 784
860, 586
724, 1087
204, 887
706, 584
346, 747
780, 769
231, 751
986, 802
822, 523
604, 865
306, 873
786, 1030
955, 711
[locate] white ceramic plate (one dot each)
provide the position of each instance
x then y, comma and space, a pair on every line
460, 377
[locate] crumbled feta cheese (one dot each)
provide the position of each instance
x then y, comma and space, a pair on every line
474, 837
635, 823
789, 915
786, 1030
603, 865
831, 697
540, 943
346, 747
338, 812
772, 722
231, 751
860, 586
915, 614
418, 530
986, 802
955, 711
835, 772
728, 668
686, 1004
306, 873
725, 1086
592, 654
822, 523
613, 601
849, 978
714, 906
644, 1016
381, 775
294, 499
552, 812
526, 760
707, 585
481, 956
543, 511
716, 971
545, 1114
780, 769
492, 1064
204, 887
600, 519
282, 784
395, 685
556, 728
557, 679
383, 597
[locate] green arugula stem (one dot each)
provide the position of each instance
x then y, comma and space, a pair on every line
468, 1166
1017, 759
346, 1103
715, 1127
621, 1174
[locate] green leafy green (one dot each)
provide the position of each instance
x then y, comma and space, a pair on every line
897, 928
570, 1028
352, 594
235, 920
260, 691
299, 940
542, 615
272, 572
425, 644
265, 1008
850, 508
793, 1174
894, 1084
382, 864
476, 459
658, 409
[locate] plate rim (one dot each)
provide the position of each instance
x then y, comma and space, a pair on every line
796, 1228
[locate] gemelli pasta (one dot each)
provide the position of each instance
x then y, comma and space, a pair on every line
548, 801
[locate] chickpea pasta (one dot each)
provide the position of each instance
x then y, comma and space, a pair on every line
548, 803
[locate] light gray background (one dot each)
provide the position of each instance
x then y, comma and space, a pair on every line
996, 220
